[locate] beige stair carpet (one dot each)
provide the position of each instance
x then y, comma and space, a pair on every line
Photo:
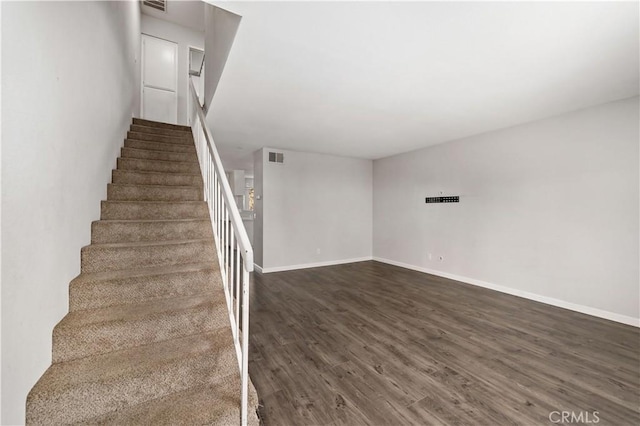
147, 339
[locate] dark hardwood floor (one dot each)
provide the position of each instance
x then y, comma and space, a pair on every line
370, 343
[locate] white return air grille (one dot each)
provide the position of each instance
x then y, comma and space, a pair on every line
160, 5
276, 157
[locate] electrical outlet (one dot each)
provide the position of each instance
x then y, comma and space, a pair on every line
429, 256
317, 251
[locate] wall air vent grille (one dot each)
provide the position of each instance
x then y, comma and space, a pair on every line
160, 5
276, 157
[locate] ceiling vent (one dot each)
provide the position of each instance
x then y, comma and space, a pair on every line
276, 157
160, 5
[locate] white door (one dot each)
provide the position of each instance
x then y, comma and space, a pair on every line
159, 79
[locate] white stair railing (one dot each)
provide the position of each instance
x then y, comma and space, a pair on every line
235, 254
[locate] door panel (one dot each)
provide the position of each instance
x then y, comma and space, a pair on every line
160, 105
159, 79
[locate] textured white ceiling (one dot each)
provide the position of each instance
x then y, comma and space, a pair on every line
374, 79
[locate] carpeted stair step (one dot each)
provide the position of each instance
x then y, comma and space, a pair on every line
116, 256
113, 231
159, 155
147, 337
125, 192
158, 165
82, 389
180, 140
99, 331
159, 125
155, 178
158, 146
217, 404
113, 210
159, 131
103, 289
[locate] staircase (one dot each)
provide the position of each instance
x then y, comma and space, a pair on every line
147, 338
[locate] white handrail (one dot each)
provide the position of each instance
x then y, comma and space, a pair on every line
235, 254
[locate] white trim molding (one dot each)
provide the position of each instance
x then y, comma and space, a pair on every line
612, 316
257, 268
314, 265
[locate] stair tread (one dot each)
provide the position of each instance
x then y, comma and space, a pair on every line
126, 148
77, 390
154, 201
183, 140
193, 219
156, 142
162, 161
151, 172
103, 289
144, 129
158, 134
146, 272
217, 404
137, 229
159, 146
154, 185
144, 177
153, 209
168, 167
131, 362
160, 124
156, 191
137, 311
148, 243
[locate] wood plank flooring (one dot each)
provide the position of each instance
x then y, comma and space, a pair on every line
370, 343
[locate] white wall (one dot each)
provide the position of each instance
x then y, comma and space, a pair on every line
220, 31
185, 37
547, 210
316, 209
70, 85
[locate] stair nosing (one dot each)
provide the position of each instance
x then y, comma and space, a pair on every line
153, 201
146, 271
155, 185
189, 219
154, 127
156, 172
160, 161
147, 243
158, 142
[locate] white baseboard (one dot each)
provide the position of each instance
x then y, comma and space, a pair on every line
257, 268
313, 265
520, 293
